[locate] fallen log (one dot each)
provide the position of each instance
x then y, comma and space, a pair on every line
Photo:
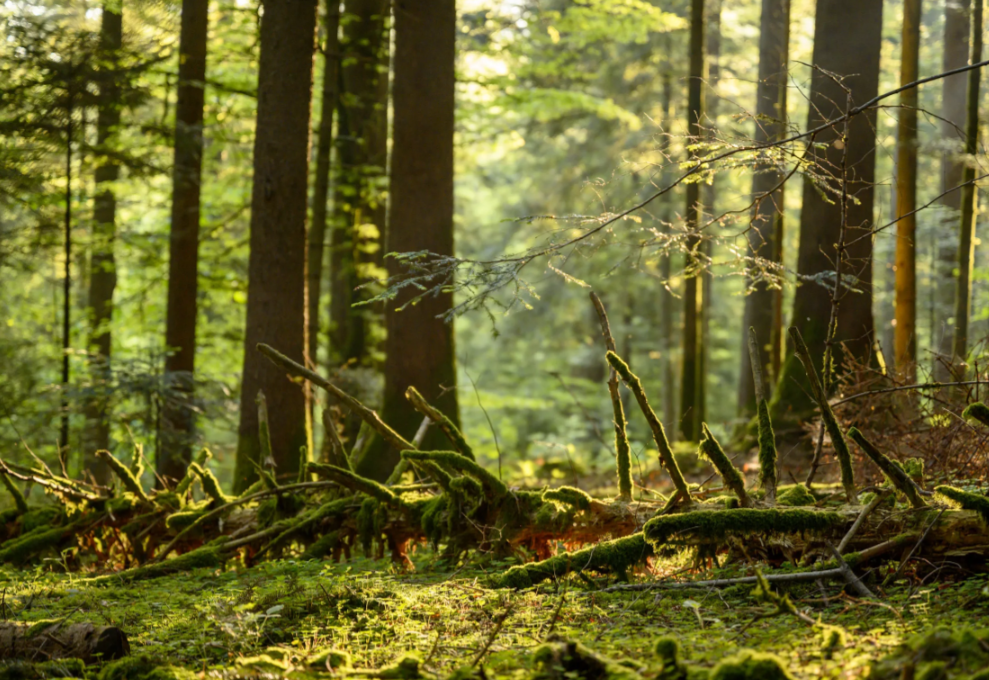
46, 640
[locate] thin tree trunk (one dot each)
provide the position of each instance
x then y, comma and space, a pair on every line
63, 437
957, 28
763, 310
358, 221
667, 299
693, 293
276, 268
420, 346
905, 332
183, 266
966, 231
321, 187
847, 41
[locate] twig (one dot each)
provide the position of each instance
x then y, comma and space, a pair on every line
899, 570
918, 386
866, 511
853, 581
491, 638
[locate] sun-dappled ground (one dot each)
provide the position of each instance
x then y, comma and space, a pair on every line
278, 616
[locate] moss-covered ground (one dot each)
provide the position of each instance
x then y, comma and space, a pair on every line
290, 610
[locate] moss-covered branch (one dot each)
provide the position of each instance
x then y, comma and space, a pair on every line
615, 557
211, 485
965, 500
124, 474
494, 487
896, 475
658, 433
446, 425
732, 478
366, 486
623, 452
19, 501
827, 415
720, 524
978, 411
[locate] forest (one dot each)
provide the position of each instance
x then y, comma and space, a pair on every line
529, 339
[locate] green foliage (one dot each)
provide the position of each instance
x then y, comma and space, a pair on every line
751, 665
720, 524
795, 495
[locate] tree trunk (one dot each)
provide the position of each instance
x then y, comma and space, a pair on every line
905, 332
103, 275
847, 42
183, 264
966, 231
276, 268
762, 309
321, 187
667, 298
693, 287
955, 55
420, 346
359, 200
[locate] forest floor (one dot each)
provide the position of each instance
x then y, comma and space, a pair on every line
272, 618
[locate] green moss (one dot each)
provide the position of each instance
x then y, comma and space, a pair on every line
124, 474
797, 495
323, 546
19, 501
451, 460
304, 460
43, 517
833, 639
178, 521
936, 670
896, 475
142, 668
365, 523
201, 459
446, 425
330, 659
915, 468
965, 500
206, 557
720, 524
750, 665
363, 485
767, 448
732, 478
211, 485
669, 652
569, 660
58, 668
31, 545
404, 668
569, 495
658, 433
977, 411
623, 451
616, 557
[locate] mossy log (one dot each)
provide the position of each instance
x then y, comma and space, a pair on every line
47, 640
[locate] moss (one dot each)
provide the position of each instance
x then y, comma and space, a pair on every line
569, 660
19, 501
446, 425
732, 478
323, 546
569, 495
142, 668
58, 668
124, 474
796, 495
623, 451
365, 523
750, 665
915, 468
451, 460
937, 670
833, 639
977, 411
720, 524
42, 517
658, 433
364, 485
330, 659
669, 652
404, 668
28, 546
211, 485
201, 459
137, 461
965, 500
767, 448
616, 556
896, 475
178, 521
207, 557
304, 460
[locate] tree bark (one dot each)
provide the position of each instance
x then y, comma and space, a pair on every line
419, 350
765, 234
955, 55
84, 641
321, 186
966, 232
905, 331
359, 199
178, 417
103, 273
693, 286
667, 298
847, 41
276, 268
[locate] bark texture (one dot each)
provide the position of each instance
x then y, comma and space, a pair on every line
765, 234
85, 641
847, 42
359, 194
420, 345
183, 263
103, 269
276, 268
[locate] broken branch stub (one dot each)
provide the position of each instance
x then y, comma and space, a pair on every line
623, 452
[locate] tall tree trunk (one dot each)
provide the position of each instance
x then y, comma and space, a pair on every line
905, 332
690, 424
762, 308
966, 231
667, 298
420, 346
847, 40
321, 186
957, 28
183, 265
103, 274
63, 435
359, 199
276, 268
